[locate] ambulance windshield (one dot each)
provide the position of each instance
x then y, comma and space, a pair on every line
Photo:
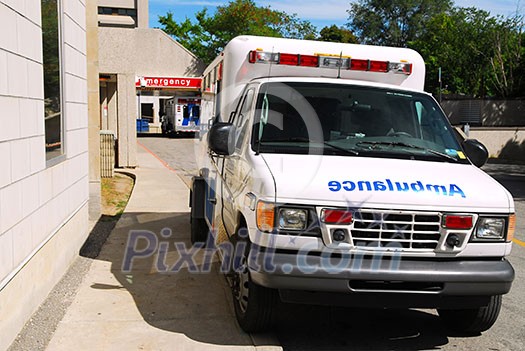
298, 117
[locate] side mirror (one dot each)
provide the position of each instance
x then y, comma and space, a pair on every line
221, 138
476, 152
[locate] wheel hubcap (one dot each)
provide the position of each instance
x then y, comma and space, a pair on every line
241, 287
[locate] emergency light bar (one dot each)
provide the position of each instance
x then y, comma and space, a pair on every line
327, 61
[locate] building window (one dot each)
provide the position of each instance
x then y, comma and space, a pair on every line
52, 78
117, 17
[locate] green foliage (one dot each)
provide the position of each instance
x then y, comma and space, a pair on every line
208, 36
479, 54
393, 23
337, 34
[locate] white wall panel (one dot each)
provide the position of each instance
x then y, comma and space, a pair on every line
3, 71
28, 32
10, 118
29, 195
17, 75
8, 41
11, 206
20, 159
38, 154
32, 11
22, 243
74, 35
35, 85
6, 253
76, 11
5, 161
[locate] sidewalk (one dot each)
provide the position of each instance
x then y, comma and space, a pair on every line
148, 309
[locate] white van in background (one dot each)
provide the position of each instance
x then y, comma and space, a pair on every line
182, 115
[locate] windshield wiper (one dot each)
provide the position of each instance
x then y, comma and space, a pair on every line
307, 140
284, 140
402, 144
348, 151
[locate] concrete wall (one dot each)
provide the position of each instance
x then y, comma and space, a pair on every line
144, 52
128, 53
143, 14
502, 143
43, 207
93, 109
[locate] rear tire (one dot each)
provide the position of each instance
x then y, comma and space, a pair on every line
254, 304
472, 321
199, 228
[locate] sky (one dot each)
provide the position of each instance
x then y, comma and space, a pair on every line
320, 13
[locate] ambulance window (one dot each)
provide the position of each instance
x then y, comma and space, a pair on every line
434, 126
419, 110
240, 120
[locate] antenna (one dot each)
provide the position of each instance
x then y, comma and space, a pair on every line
339, 64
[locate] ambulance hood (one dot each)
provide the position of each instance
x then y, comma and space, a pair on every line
385, 183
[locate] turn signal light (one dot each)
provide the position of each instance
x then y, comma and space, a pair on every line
265, 216
512, 227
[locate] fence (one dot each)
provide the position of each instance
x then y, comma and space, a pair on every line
107, 153
485, 112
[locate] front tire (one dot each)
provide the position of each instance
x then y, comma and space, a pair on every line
472, 321
198, 231
254, 304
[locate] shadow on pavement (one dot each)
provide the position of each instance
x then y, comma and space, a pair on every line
323, 328
514, 183
194, 304
98, 236
511, 176
198, 305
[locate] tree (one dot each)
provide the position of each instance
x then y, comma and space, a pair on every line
208, 36
393, 23
479, 54
337, 34
507, 61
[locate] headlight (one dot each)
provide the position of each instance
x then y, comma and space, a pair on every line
490, 228
293, 218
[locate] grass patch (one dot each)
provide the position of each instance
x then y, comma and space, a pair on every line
115, 194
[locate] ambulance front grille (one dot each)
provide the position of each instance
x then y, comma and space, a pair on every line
402, 230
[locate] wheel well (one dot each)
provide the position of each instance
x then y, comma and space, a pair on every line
241, 222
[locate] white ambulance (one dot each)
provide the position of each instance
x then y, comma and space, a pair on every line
182, 115
328, 176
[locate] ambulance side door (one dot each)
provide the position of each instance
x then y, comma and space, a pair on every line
236, 170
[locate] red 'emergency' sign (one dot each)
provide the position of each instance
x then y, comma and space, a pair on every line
168, 82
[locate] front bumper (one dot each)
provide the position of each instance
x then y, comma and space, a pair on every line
191, 127
368, 275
